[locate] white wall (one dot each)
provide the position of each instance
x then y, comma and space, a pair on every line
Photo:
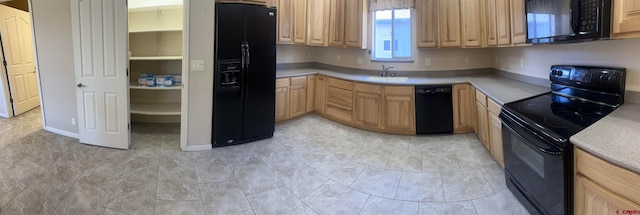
441, 59
201, 31
538, 58
53, 38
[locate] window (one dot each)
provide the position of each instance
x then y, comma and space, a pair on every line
392, 35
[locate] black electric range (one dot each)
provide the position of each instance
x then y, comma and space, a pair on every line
536, 132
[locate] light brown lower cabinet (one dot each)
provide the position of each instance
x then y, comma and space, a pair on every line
339, 100
495, 130
603, 188
462, 108
320, 99
399, 109
311, 86
298, 96
282, 99
368, 105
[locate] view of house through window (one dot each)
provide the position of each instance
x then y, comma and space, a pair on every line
392, 35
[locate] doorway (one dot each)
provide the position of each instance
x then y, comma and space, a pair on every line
19, 91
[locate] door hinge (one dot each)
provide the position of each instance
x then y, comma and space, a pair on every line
11, 100
127, 72
4, 62
128, 126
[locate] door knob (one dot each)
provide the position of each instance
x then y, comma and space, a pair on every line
80, 85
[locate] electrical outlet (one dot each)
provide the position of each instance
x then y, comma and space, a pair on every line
338, 58
466, 60
521, 62
73, 121
427, 61
359, 60
197, 65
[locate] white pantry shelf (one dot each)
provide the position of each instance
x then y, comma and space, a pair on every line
167, 109
157, 58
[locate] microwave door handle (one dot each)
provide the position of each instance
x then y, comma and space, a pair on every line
574, 11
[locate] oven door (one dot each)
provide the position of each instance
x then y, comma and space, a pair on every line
534, 169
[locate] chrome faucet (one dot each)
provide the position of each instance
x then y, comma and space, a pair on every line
385, 69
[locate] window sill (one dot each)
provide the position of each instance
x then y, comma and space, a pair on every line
393, 60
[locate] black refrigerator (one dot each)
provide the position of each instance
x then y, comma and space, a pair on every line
245, 73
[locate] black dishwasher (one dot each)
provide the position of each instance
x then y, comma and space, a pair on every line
434, 109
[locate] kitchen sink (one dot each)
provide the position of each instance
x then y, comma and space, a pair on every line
387, 79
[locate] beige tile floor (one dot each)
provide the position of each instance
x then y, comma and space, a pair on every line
310, 166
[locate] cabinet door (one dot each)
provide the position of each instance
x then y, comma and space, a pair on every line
593, 199
462, 108
427, 23
298, 96
472, 22
399, 109
320, 94
299, 21
368, 105
285, 21
482, 125
626, 19
336, 23
272, 3
311, 86
318, 22
355, 21
282, 103
495, 130
503, 22
491, 28
449, 23
518, 22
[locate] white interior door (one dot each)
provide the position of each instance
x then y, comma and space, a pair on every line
17, 44
100, 41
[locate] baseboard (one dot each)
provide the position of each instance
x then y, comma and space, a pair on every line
61, 132
4, 115
197, 148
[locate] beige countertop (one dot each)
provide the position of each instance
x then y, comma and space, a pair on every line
500, 89
614, 138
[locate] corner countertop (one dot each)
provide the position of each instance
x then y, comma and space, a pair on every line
500, 89
614, 138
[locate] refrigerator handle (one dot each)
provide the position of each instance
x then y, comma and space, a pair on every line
248, 60
244, 51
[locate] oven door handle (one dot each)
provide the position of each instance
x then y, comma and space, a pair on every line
550, 151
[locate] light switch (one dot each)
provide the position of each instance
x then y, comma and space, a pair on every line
197, 65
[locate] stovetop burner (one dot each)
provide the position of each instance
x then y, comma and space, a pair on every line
528, 107
563, 119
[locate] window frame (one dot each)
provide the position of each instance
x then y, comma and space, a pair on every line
411, 41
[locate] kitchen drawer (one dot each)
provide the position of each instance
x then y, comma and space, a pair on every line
388, 90
369, 88
493, 107
346, 85
340, 98
301, 80
481, 98
614, 178
282, 82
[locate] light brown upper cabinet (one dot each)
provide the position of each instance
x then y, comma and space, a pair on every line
285, 21
355, 24
427, 23
346, 23
491, 29
318, 22
300, 21
518, 22
503, 22
449, 19
336, 22
626, 19
292, 21
472, 16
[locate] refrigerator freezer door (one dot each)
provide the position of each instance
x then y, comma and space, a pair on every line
227, 104
260, 84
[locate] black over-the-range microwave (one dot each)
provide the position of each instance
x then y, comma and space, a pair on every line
565, 21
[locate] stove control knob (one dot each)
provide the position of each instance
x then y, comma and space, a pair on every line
613, 79
554, 72
559, 72
604, 77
